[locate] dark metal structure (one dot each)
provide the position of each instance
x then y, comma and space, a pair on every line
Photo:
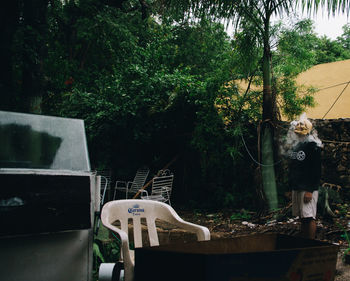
48, 197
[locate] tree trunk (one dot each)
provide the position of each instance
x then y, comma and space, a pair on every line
268, 171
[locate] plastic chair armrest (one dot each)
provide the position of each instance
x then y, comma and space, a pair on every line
202, 232
125, 243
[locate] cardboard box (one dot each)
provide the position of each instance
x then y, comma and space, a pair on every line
262, 257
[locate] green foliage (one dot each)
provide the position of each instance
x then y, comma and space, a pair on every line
329, 51
344, 39
149, 88
345, 236
138, 84
104, 251
243, 215
294, 99
300, 41
127, 84
229, 200
295, 53
97, 253
248, 51
296, 49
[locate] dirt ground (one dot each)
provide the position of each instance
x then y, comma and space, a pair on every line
226, 224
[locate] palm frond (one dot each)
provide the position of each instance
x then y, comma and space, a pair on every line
332, 7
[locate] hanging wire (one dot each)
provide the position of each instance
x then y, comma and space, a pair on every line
329, 87
347, 84
252, 157
336, 100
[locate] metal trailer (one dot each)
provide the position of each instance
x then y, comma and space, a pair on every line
48, 197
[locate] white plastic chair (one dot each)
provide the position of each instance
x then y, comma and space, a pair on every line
124, 210
132, 186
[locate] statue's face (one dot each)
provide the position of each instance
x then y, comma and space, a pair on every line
303, 127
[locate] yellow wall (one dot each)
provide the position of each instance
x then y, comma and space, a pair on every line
328, 75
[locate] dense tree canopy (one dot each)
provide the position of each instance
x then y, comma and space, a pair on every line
152, 86
256, 15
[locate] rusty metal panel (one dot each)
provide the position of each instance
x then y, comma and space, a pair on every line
267, 257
